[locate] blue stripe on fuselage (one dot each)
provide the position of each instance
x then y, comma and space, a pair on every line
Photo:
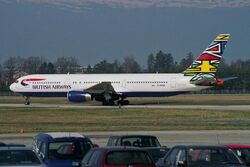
125, 94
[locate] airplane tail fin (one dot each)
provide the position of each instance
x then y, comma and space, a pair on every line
206, 65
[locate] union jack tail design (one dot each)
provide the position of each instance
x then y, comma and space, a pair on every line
208, 61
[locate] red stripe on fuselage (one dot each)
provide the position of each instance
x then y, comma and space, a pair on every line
33, 79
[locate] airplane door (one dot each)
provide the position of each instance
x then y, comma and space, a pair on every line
124, 83
173, 83
67, 82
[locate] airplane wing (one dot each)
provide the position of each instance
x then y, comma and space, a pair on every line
101, 88
103, 91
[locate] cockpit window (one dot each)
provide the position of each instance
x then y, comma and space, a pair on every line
16, 81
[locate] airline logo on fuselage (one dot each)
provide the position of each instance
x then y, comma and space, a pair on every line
25, 82
38, 85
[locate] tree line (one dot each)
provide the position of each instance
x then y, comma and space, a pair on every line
160, 62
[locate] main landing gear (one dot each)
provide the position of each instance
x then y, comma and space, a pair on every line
108, 103
122, 102
26, 100
119, 102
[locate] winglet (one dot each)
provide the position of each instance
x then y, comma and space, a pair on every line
209, 60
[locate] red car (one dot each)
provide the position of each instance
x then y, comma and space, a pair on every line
117, 157
242, 151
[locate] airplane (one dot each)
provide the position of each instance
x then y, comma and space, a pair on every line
112, 88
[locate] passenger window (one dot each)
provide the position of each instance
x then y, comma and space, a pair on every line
87, 147
171, 158
42, 150
180, 156
94, 158
85, 160
111, 141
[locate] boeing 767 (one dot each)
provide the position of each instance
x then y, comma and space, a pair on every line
111, 88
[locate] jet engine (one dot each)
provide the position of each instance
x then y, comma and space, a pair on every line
78, 96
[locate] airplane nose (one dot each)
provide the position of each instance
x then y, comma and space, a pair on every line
12, 87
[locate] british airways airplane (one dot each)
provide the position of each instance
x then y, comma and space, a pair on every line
111, 88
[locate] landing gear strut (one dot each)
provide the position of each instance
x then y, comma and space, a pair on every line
108, 103
122, 102
26, 100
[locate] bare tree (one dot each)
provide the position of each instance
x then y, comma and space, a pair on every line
66, 65
129, 65
1, 72
10, 67
32, 64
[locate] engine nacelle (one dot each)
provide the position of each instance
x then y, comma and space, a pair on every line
78, 96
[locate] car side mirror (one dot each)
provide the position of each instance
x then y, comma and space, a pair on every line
182, 164
95, 145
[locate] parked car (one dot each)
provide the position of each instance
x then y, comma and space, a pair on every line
200, 156
11, 145
19, 156
61, 149
242, 151
147, 142
117, 157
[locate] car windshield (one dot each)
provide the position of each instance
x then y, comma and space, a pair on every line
68, 150
18, 157
244, 154
211, 156
128, 157
140, 141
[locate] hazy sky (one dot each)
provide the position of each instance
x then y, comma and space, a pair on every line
94, 30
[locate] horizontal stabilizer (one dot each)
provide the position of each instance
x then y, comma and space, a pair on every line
229, 78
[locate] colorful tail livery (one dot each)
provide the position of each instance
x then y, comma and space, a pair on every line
206, 65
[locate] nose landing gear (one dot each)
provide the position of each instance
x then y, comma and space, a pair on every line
26, 100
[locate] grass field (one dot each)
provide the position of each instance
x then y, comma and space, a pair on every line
81, 120
233, 99
142, 119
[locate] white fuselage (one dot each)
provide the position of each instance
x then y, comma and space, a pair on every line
130, 85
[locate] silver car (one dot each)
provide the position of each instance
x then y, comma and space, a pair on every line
19, 156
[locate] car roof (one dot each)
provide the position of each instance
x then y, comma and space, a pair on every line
237, 145
117, 148
133, 135
200, 146
57, 136
15, 148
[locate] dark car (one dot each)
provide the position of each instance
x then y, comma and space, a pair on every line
11, 145
117, 157
147, 142
19, 156
60, 149
200, 156
242, 151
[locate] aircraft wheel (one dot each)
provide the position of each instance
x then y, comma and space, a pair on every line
27, 103
108, 103
123, 102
